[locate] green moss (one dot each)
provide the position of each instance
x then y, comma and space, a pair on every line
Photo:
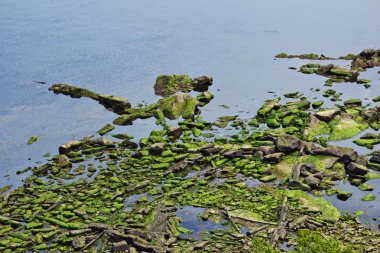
310, 241
167, 85
368, 197
315, 128
328, 210
107, 128
346, 128
32, 139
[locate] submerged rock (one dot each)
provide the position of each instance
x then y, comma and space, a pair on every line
167, 85
113, 103
368, 58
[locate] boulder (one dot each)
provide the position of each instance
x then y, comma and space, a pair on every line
211, 151
287, 143
327, 115
345, 154
312, 181
375, 158
343, 195
357, 169
157, 148
69, 146
202, 83
121, 246
114, 103
233, 153
273, 158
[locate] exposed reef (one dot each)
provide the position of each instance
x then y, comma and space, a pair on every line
257, 187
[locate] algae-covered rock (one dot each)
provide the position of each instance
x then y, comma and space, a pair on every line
357, 169
106, 129
368, 197
368, 58
167, 85
328, 210
287, 143
327, 115
113, 103
180, 104
32, 140
69, 146
346, 128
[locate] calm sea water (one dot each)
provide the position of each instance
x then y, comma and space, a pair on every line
119, 47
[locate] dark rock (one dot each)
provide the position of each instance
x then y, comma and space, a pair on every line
69, 146
121, 246
211, 151
265, 149
375, 158
357, 169
344, 195
308, 167
233, 154
312, 181
113, 103
327, 115
318, 175
287, 143
157, 148
345, 154
175, 132
273, 158
368, 58
202, 83
79, 243
98, 226
296, 185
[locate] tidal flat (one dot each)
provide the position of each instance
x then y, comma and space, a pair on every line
264, 183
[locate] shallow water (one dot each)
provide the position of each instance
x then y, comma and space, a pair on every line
120, 48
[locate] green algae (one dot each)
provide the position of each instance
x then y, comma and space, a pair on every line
329, 211
33, 139
346, 128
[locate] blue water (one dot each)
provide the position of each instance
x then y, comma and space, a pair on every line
119, 47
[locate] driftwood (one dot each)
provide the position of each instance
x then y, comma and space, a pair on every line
280, 231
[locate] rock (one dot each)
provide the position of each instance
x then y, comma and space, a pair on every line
233, 153
265, 149
113, 103
318, 175
98, 226
366, 187
121, 246
353, 102
368, 58
312, 181
375, 158
327, 115
308, 167
180, 104
296, 172
296, 185
357, 169
287, 143
79, 243
106, 129
102, 141
268, 178
69, 146
368, 197
211, 151
167, 85
202, 83
175, 132
273, 158
344, 195
157, 148
317, 104
345, 154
